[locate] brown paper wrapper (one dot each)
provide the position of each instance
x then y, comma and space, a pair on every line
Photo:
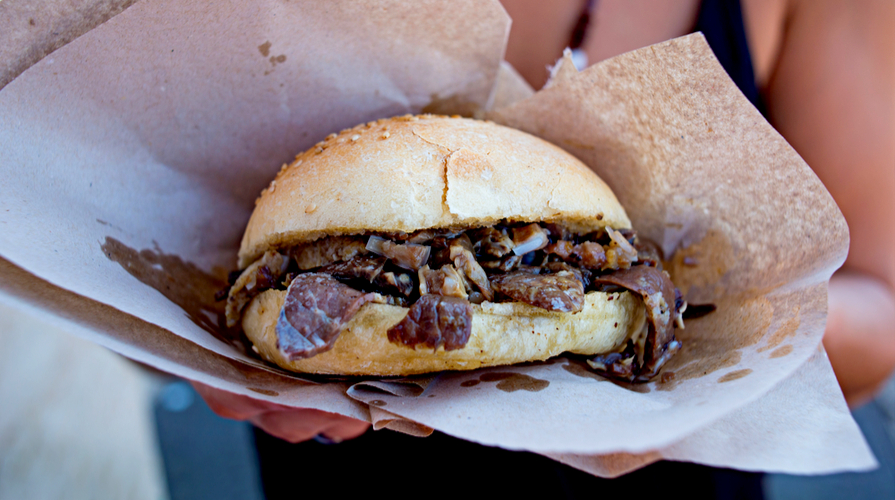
132, 157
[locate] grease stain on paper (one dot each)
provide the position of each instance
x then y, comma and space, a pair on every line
179, 281
509, 382
784, 331
734, 375
782, 351
264, 49
266, 392
715, 341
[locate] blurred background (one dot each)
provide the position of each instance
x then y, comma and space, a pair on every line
78, 421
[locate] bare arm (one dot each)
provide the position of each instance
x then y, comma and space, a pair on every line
832, 95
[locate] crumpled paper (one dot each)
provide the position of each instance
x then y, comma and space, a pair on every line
132, 157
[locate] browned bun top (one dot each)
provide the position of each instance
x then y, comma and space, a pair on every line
420, 172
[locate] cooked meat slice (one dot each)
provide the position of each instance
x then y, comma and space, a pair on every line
461, 253
648, 253
662, 303
491, 242
505, 264
314, 311
617, 365
395, 282
259, 276
407, 255
327, 250
582, 274
435, 321
588, 255
562, 291
361, 267
446, 281
558, 232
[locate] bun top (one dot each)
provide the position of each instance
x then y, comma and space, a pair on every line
419, 172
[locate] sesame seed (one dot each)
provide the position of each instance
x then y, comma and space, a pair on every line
331, 136
311, 208
319, 150
355, 137
385, 134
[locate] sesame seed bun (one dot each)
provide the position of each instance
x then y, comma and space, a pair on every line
421, 172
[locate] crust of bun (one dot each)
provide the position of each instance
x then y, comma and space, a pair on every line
502, 334
422, 172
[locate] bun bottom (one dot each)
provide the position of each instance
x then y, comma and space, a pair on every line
502, 334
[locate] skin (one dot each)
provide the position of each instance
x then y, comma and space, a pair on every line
291, 424
826, 69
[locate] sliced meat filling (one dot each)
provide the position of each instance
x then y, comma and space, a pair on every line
446, 281
462, 254
361, 267
562, 291
259, 276
327, 250
411, 256
438, 273
643, 359
492, 242
314, 311
588, 255
435, 321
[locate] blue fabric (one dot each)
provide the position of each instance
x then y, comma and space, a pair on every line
721, 21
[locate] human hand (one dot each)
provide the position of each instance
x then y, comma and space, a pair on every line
287, 423
860, 340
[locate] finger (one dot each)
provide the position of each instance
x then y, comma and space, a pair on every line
298, 425
234, 406
345, 430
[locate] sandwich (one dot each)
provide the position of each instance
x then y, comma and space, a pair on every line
426, 243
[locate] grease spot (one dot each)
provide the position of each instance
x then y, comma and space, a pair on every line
786, 330
181, 282
714, 342
264, 48
378, 402
266, 392
470, 383
666, 377
782, 351
512, 382
735, 375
